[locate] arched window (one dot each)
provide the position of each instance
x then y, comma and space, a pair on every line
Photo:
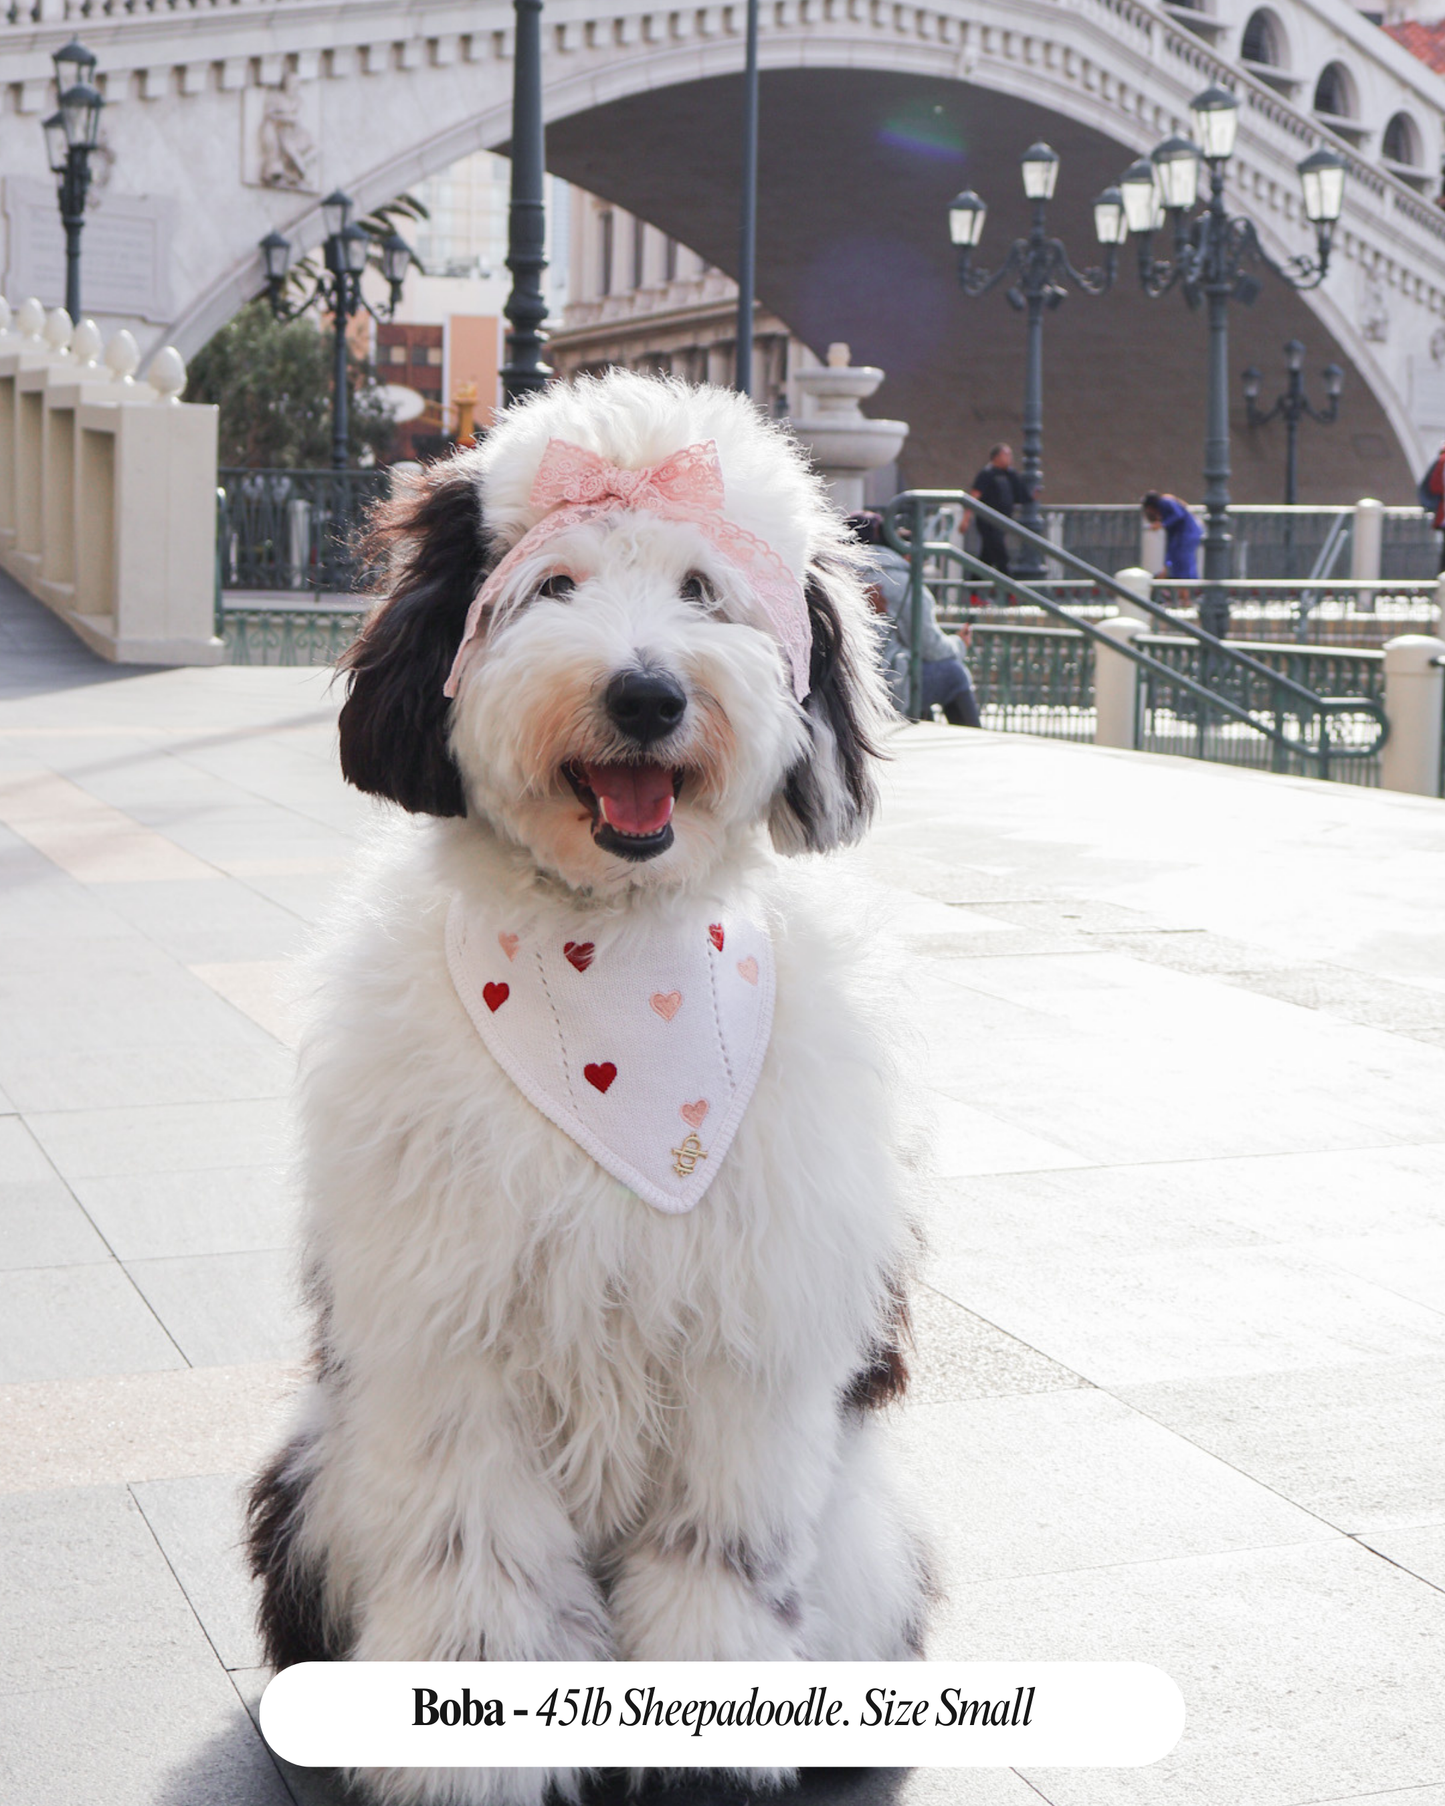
1401, 143
1263, 42
1335, 92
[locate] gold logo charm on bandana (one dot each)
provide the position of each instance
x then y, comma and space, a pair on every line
688, 1155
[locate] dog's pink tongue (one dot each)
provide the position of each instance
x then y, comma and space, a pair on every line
635, 799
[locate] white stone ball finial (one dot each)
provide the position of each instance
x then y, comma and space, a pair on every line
122, 356
87, 345
58, 330
167, 374
4, 315
31, 318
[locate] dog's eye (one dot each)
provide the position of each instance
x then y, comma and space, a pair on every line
556, 586
696, 588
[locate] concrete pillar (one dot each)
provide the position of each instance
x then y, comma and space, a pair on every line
1414, 688
1151, 547
1116, 685
1139, 582
1366, 543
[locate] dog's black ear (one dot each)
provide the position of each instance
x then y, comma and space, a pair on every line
429, 544
830, 795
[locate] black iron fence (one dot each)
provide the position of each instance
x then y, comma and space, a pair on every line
296, 530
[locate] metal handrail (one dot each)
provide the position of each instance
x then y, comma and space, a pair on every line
916, 549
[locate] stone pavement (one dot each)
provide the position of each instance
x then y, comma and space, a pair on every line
1182, 1347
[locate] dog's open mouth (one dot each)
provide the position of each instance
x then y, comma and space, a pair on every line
630, 805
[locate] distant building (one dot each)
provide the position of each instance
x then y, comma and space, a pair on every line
638, 298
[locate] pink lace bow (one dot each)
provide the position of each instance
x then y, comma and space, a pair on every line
573, 484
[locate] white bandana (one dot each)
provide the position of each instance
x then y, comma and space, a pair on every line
644, 1049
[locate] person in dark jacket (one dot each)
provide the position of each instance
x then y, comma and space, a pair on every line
997, 485
1182, 534
946, 679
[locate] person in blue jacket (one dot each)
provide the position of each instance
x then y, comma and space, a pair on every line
1182, 533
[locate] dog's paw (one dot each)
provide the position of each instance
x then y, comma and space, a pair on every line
467, 1786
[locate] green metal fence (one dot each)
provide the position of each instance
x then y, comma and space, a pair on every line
1200, 696
306, 634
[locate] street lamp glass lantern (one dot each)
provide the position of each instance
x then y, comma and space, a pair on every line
355, 249
395, 258
1252, 381
57, 146
1111, 227
1136, 185
1322, 176
1214, 115
1176, 170
73, 65
80, 115
966, 214
1334, 380
1294, 355
336, 213
1041, 171
276, 256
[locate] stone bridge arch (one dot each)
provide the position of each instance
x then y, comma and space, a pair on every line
874, 113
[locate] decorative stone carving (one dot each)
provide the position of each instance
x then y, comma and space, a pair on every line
844, 443
1374, 312
282, 129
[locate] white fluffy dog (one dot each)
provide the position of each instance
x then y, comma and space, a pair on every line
607, 1238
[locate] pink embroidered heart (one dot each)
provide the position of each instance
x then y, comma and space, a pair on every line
600, 1076
692, 1114
496, 996
666, 1003
508, 944
579, 954
748, 968
715, 934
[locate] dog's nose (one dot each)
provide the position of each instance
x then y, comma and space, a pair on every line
645, 705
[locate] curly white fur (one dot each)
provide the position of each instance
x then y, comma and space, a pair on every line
547, 1421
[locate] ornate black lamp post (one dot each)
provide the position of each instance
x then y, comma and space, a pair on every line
1213, 253
1037, 269
1293, 406
70, 138
347, 251
526, 308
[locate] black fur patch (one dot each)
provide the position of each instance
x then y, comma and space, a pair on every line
832, 698
885, 1378
431, 543
291, 1616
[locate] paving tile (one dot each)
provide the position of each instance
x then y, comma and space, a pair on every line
261, 990
1175, 1315
224, 1310
86, 838
968, 1140
169, 1138
66, 1322
116, 1428
87, 1589
1412, 1265
199, 1526
1308, 1672
1060, 1480
1345, 1442
217, 1210
231, 921
956, 1355
169, 1736
238, 1061
1420, 1552
41, 1224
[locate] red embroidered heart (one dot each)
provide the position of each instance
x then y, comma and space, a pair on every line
496, 996
600, 1076
579, 954
715, 935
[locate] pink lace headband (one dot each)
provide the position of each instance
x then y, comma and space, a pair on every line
574, 485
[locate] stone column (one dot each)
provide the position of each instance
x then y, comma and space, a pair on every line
1414, 687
